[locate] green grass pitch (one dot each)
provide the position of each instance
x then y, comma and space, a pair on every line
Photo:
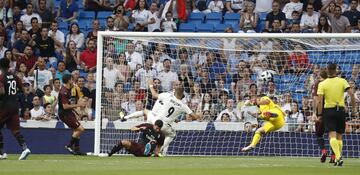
91, 165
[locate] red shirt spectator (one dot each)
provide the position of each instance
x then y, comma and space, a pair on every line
88, 57
29, 59
298, 60
130, 4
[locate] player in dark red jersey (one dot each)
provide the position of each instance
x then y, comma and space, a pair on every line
10, 85
149, 143
67, 104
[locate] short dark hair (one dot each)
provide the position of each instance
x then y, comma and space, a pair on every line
46, 86
4, 63
166, 59
66, 78
331, 68
34, 18
159, 123
46, 104
323, 74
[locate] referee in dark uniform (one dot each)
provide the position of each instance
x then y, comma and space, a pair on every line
332, 91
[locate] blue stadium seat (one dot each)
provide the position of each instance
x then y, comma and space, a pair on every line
83, 24
63, 26
220, 28
205, 28
131, 27
260, 26
86, 15
213, 18
196, 18
104, 14
232, 16
262, 16
187, 27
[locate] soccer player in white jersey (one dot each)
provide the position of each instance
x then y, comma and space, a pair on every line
168, 108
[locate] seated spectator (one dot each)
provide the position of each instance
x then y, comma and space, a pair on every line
309, 20
298, 60
48, 98
3, 49
7, 15
28, 58
121, 21
286, 102
42, 76
234, 6
206, 116
225, 117
56, 87
81, 90
296, 119
110, 26
249, 114
338, 22
61, 70
234, 114
216, 69
90, 84
220, 98
216, 6
207, 105
276, 27
344, 6
83, 112
357, 29
35, 30
58, 36
293, 5
200, 6
323, 25
88, 57
140, 16
249, 19
167, 77
275, 14
123, 67
353, 14
71, 56
154, 19
295, 19
145, 73
271, 91
68, 11
15, 35
26, 18
49, 5
37, 111
130, 5
21, 43
17, 13
295, 28
46, 46
185, 77
48, 113
278, 59
25, 98
129, 106
76, 35
45, 12
168, 25
94, 33
111, 74
132, 57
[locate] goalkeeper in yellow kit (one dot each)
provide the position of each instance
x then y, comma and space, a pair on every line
274, 118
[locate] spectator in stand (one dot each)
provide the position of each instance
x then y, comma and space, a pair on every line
146, 73
61, 70
338, 22
25, 99
71, 56
185, 77
22, 72
216, 69
206, 83
46, 13
121, 21
15, 35
27, 17
316, 3
3, 49
323, 25
48, 98
168, 24
37, 110
58, 36
183, 58
17, 13
278, 58
140, 16
68, 11
35, 30
298, 61
271, 91
276, 27
42, 76
7, 15
76, 35
19, 45
344, 6
81, 89
206, 105
97, 5
88, 57
200, 6
167, 77
309, 20
249, 114
123, 67
263, 6
28, 58
132, 57
83, 112
220, 100
295, 28
355, 74
56, 87
110, 26
233, 113
295, 19
195, 96
111, 74
293, 5
48, 113
129, 105
249, 19
296, 118
353, 14
286, 102
49, 5
241, 86
216, 6
94, 33
307, 110
8, 55
129, 5
46, 46
154, 18
234, 6
275, 14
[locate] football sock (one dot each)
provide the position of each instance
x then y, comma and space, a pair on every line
136, 114
21, 140
115, 149
72, 141
166, 144
77, 144
321, 142
335, 147
340, 142
1, 143
256, 139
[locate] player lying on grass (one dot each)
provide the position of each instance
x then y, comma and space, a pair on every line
149, 143
274, 118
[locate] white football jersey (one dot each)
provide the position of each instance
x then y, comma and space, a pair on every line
168, 108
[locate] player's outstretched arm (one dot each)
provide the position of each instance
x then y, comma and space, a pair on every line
137, 129
194, 116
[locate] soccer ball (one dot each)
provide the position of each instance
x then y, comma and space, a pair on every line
266, 76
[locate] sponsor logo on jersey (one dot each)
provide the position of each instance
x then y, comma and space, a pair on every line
175, 103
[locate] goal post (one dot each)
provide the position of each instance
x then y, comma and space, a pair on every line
292, 58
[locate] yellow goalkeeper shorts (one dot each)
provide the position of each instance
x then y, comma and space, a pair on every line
274, 123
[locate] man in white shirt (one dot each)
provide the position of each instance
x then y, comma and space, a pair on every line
234, 114
111, 75
37, 111
167, 77
309, 20
294, 5
26, 18
146, 73
132, 57
57, 35
42, 76
157, 64
263, 5
154, 18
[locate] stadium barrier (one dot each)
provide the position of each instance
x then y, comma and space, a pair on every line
193, 138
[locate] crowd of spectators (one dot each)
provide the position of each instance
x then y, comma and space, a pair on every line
220, 84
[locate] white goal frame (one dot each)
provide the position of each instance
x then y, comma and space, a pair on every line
102, 34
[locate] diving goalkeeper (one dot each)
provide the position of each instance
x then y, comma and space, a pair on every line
274, 118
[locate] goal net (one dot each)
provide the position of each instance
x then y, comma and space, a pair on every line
221, 75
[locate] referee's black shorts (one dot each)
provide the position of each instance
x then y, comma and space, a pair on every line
334, 120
